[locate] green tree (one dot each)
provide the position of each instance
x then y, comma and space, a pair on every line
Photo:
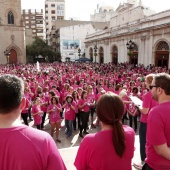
40, 47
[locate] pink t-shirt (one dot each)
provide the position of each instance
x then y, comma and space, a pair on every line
27, 148
55, 115
132, 109
44, 102
86, 108
158, 133
98, 96
91, 98
96, 152
25, 110
37, 117
69, 112
148, 102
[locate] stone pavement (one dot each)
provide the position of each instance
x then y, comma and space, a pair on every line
68, 147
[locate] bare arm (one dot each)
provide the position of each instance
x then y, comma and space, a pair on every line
163, 150
144, 110
73, 107
81, 106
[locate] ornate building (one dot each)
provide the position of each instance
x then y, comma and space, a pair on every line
136, 35
12, 32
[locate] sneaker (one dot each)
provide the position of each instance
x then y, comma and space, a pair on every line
81, 135
86, 132
68, 136
139, 165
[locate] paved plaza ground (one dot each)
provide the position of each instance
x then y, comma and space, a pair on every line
68, 147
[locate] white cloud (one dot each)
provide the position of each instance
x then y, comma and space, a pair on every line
83, 8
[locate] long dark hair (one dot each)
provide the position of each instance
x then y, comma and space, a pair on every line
110, 110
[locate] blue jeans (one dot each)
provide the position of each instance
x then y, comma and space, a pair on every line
142, 140
68, 124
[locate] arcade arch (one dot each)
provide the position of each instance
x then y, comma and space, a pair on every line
162, 54
101, 55
114, 54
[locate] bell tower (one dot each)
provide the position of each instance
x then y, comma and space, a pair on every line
12, 33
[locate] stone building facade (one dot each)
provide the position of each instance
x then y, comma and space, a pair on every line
147, 32
12, 32
68, 36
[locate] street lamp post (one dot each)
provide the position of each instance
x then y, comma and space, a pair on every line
95, 52
7, 54
130, 45
79, 51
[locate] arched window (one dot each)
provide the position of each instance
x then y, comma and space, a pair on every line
10, 18
162, 46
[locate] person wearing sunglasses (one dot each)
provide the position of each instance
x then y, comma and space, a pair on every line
158, 129
147, 104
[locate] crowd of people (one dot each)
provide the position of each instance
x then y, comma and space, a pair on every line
76, 91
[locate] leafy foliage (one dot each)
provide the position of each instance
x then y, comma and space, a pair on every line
130, 53
40, 47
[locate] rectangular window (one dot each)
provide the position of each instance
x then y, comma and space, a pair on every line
39, 30
53, 27
52, 5
60, 7
53, 18
53, 12
60, 13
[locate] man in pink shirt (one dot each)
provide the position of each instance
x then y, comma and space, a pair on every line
158, 129
22, 147
147, 104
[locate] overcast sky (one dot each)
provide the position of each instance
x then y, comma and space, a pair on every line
81, 9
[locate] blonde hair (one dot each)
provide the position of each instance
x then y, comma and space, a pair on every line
149, 78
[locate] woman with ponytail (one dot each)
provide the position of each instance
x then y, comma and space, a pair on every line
112, 147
